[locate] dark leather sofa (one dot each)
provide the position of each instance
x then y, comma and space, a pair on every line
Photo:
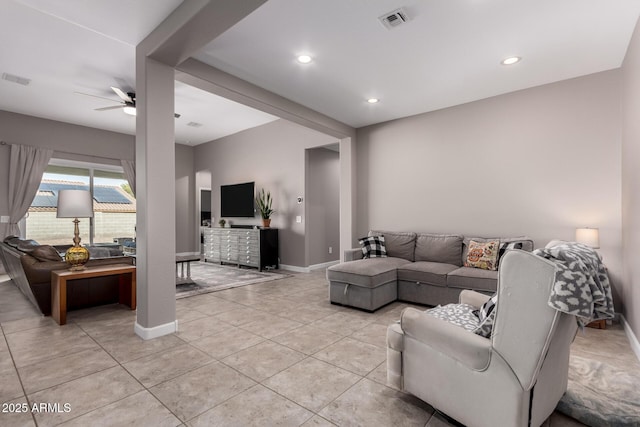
29, 265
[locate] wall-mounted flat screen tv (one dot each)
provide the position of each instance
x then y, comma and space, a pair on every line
236, 201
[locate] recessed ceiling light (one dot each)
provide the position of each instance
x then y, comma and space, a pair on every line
373, 100
511, 60
304, 59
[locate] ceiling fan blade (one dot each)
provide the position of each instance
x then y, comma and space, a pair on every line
121, 94
96, 96
109, 108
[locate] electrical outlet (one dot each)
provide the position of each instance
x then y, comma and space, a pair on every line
299, 219
330, 250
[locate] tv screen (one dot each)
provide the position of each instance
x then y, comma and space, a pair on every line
236, 201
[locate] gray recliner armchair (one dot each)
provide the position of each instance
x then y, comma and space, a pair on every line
515, 378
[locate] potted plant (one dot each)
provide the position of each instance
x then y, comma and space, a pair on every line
222, 222
264, 202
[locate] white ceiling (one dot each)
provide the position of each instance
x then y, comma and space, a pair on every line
448, 53
70, 46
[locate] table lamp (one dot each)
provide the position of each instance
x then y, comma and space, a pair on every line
588, 236
75, 204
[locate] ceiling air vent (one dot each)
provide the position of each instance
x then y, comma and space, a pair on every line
194, 124
16, 79
393, 19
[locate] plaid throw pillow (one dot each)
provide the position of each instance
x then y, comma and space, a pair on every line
486, 316
373, 247
507, 246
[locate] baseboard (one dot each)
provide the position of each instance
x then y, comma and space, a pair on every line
294, 268
633, 340
309, 269
188, 254
323, 265
156, 331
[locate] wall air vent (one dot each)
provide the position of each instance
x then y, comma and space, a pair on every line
394, 19
16, 79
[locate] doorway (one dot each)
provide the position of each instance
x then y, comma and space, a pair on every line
322, 189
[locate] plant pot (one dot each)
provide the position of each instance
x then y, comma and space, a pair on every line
266, 222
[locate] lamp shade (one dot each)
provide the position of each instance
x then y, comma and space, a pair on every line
74, 204
588, 236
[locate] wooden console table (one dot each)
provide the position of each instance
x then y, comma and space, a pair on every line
59, 279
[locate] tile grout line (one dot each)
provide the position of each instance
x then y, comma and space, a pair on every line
128, 373
15, 367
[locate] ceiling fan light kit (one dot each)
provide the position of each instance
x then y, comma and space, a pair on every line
130, 110
128, 103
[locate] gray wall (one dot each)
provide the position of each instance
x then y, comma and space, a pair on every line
538, 162
631, 182
185, 200
323, 205
272, 155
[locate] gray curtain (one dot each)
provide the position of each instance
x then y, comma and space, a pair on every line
129, 167
26, 167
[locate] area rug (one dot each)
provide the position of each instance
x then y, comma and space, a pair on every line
208, 277
599, 394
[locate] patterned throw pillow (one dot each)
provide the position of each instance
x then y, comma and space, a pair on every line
487, 316
373, 247
457, 314
483, 255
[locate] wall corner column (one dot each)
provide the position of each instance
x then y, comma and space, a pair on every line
347, 193
155, 190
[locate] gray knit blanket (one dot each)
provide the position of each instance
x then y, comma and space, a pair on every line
582, 286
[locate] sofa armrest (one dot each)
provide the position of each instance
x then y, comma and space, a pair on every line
353, 254
453, 341
473, 298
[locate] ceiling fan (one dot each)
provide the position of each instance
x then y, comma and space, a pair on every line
128, 103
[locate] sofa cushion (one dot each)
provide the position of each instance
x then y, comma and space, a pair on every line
373, 247
45, 253
483, 255
27, 245
12, 241
473, 278
366, 272
399, 245
446, 248
433, 273
527, 243
98, 252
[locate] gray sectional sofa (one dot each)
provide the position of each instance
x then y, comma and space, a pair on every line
422, 268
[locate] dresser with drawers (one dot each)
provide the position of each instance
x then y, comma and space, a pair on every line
242, 246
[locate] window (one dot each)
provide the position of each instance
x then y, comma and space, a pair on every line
113, 204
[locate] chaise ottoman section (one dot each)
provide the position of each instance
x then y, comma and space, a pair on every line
367, 284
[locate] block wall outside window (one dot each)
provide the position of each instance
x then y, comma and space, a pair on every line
46, 229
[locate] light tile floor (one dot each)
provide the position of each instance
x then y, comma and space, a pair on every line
275, 353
